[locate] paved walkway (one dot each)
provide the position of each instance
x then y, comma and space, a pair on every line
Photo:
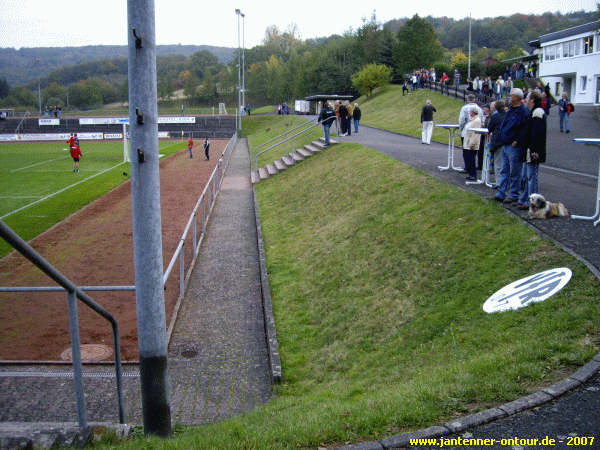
218, 362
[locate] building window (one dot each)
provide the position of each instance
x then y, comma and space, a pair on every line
550, 52
583, 83
570, 48
588, 44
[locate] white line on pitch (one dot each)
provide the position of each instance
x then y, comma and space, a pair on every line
36, 164
57, 192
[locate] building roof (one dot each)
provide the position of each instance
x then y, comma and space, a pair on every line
561, 34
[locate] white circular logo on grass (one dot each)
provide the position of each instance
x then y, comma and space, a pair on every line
533, 289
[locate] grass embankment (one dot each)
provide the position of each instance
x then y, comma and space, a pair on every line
259, 129
389, 110
29, 172
378, 274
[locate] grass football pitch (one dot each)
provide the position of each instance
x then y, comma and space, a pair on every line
38, 187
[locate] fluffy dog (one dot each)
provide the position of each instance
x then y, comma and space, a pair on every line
540, 208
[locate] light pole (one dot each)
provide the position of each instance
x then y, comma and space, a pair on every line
244, 60
469, 63
237, 114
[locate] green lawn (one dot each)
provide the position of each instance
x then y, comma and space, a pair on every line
31, 172
378, 275
389, 110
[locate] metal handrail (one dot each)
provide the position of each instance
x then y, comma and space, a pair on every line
27, 113
73, 292
288, 139
283, 134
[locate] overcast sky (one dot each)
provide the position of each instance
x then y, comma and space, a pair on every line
61, 23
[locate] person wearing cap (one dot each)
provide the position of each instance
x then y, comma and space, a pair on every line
471, 142
464, 117
512, 138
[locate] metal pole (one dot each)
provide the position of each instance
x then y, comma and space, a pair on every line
182, 270
238, 12
147, 240
244, 60
76, 358
469, 64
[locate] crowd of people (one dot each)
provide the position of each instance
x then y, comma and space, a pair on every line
345, 114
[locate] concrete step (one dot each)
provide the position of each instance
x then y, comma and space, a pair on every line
297, 156
304, 152
312, 148
280, 165
254, 177
272, 169
288, 161
263, 173
322, 140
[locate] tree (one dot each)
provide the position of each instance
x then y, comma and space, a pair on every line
85, 95
4, 88
370, 77
21, 96
54, 94
418, 45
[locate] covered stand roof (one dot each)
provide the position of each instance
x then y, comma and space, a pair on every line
322, 97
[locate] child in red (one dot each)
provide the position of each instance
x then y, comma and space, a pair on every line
75, 154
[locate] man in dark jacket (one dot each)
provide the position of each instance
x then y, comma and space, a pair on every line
535, 148
512, 137
494, 144
427, 121
344, 119
356, 116
326, 118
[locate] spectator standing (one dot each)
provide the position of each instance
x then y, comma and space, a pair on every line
456, 78
427, 122
326, 118
413, 81
248, 108
545, 104
498, 111
338, 117
508, 85
191, 146
206, 146
484, 122
512, 135
499, 88
564, 109
535, 153
356, 116
350, 110
464, 117
343, 119
471, 142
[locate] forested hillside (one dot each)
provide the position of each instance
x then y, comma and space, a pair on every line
27, 64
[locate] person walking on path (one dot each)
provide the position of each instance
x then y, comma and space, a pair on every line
206, 146
427, 121
564, 109
326, 118
535, 153
356, 116
471, 142
350, 111
512, 136
495, 146
191, 146
343, 119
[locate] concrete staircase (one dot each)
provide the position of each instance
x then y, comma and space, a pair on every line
289, 160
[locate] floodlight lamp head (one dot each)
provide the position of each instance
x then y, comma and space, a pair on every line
237, 11
243, 15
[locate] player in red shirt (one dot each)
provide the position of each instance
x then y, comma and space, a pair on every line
76, 155
190, 146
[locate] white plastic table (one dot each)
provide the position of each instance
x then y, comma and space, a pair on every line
451, 136
485, 170
591, 141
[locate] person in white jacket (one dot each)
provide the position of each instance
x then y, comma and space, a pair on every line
471, 142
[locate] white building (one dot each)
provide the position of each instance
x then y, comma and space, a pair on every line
570, 62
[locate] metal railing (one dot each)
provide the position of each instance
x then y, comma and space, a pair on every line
27, 114
204, 207
290, 139
73, 293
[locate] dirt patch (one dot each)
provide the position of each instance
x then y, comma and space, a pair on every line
94, 247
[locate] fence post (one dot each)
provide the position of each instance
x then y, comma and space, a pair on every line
194, 231
203, 201
182, 269
76, 358
147, 239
